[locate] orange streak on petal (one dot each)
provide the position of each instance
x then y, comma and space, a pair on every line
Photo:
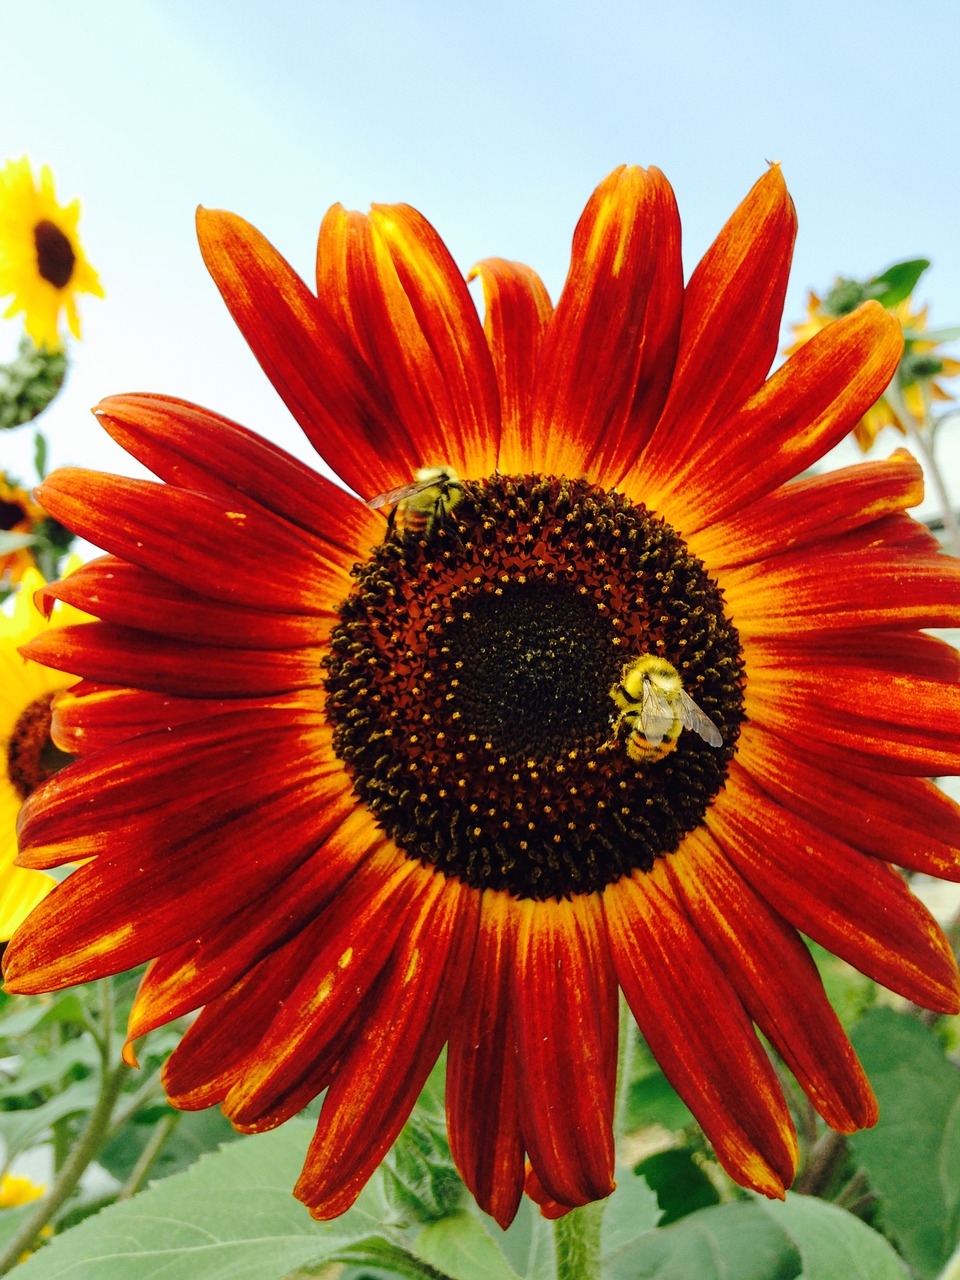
804, 409
338, 400
518, 309
596, 340
426, 339
193, 448
697, 1029
811, 510
732, 307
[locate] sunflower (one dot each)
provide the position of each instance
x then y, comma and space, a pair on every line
27, 755
362, 778
42, 263
921, 366
19, 515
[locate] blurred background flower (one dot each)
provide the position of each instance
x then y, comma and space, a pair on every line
42, 263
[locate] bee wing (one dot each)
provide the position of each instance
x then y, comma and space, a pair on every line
656, 715
691, 717
393, 496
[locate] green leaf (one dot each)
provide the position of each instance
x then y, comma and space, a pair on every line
912, 1157
40, 454
897, 282
31, 1015
631, 1211
653, 1100
833, 1244
232, 1216
680, 1184
50, 1068
460, 1247
21, 1129
727, 1242
196, 1133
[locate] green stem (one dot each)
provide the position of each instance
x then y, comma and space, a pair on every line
88, 1145
138, 1175
576, 1239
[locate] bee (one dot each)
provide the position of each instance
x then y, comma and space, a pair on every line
424, 503
654, 707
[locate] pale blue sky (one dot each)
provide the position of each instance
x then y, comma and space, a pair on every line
495, 119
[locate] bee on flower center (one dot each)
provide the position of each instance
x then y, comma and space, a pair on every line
422, 505
654, 708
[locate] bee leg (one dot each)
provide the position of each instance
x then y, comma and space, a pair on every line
391, 522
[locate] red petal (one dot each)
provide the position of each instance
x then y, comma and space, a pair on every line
731, 324
773, 974
518, 310
808, 590
855, 905
805, 408
200, 543
88, 717
314, 365
103, 652
381, 1074
319, 1020
857, 702
425, 330
120, 592
151, 787
205, 967
908, 821
594, 346
696, 1027
482, 1110
814, 510
564, 1001
192, 448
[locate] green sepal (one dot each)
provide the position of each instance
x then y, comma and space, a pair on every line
420, 1179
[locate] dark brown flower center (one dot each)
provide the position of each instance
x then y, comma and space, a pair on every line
469, 684
11, 514
31, 756
55, 255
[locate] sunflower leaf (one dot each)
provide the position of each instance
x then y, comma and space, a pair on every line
459, 1247
912, 1157
231, 1216
897, 282
803, 1239
833, 1244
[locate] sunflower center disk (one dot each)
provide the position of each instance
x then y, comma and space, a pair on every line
470, 679
31, 756
55, 256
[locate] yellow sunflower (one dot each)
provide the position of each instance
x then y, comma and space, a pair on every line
42, 263
19, 514
579, 694
920, 367
27, 755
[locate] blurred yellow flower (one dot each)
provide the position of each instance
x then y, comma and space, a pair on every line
15, 1191
27, 756
19, 515
916, 377
42, 263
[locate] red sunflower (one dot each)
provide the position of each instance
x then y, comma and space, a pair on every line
602, 702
